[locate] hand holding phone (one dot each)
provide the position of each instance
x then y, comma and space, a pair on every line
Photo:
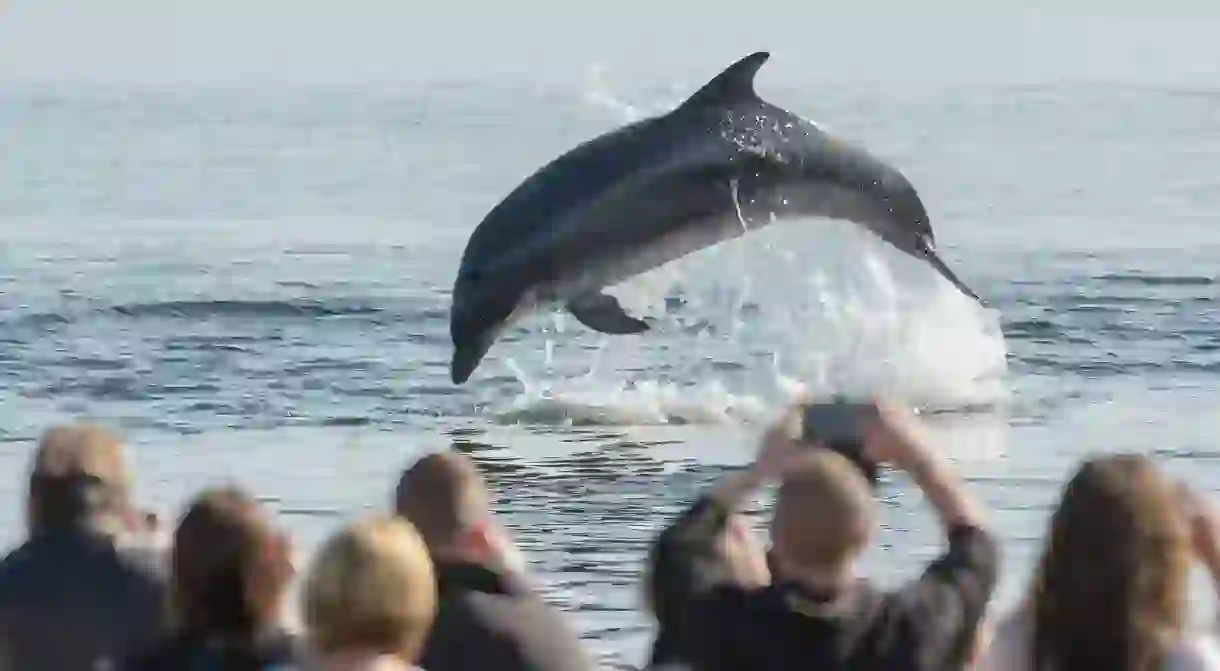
838, 426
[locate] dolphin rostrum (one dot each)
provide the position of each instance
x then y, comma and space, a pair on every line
632, 199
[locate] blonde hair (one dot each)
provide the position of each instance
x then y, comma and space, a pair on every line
371, 587
81, 455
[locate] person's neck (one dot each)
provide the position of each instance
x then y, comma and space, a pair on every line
447, 556
503, 561
360, 660
83, 527
828, 581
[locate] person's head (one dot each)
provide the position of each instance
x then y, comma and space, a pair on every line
371, 590
79, 477
231, 568
1110, 590
446, 498
823, 520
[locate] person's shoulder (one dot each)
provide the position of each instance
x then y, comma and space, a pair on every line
1193, 653
20, 569
133, 577
19, 557
11, 561
522, 604
524, 611
973, 544
520, 630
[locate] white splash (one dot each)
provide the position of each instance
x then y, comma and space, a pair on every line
597, 94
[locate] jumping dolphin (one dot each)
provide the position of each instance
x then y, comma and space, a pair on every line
632, 199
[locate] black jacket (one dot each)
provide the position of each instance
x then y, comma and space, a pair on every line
710, 624
69, 600
489, 621
274, 652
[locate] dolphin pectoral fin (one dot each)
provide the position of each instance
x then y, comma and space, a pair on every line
604, 314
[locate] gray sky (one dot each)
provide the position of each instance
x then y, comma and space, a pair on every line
166, 42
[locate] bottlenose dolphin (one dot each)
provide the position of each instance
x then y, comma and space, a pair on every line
627, 201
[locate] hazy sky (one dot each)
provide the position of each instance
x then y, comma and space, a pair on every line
175, 41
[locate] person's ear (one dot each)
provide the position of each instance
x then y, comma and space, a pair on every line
275, 559
479, 542
282, 551
745, 554
274, 573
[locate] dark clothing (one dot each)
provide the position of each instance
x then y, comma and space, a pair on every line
711, 624
278, 651
486, 620
69, 600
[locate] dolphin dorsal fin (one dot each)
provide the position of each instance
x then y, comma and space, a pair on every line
735, 83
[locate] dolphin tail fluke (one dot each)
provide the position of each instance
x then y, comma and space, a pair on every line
948, 274
603, 313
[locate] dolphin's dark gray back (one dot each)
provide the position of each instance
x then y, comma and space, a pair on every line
567, 183
724, 131
775, 144
780, 142
581, 176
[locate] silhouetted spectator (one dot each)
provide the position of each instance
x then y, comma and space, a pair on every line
488, 617
817, 613
231, 570
69, 597
1110, 591
736, 558
370, 598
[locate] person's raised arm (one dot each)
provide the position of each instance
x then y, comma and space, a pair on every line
1200, 652
685, 565
691, 539
895, 437
1204, 533
945, 607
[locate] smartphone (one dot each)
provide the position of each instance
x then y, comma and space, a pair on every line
837, 426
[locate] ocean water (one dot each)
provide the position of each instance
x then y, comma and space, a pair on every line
254, 286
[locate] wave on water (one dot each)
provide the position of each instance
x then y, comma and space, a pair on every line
200, 310
590, 402
194, 310
1144, 279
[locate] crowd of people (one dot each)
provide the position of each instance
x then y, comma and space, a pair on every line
435, 582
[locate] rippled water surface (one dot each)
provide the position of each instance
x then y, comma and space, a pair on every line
255, 285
